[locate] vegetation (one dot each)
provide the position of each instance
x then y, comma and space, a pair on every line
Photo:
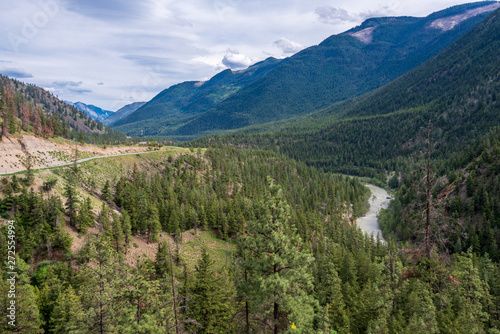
180, 103
276, 247
339, 68
299, 261
27, 108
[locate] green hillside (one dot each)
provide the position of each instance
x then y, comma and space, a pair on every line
28, 108
339, 68
180, 103
383, 135
381, 131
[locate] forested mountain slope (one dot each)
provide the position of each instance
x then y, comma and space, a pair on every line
117, 202
466, 200
383, 130
341, 67
290, 248
94, 112
180, 103
31, 109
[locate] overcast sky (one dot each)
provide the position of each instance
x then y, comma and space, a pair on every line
113, 52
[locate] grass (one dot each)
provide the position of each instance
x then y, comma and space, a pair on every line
109, 168
220, 251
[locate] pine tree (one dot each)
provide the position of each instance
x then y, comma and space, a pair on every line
85, 216
279, 283
143, 313
102, 278
127, 228
106, 193
162, 259
212, 303
67, 315
104, 221
117, 232
472, 295
153, 224
71, 198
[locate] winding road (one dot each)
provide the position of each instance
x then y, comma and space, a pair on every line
379, 199
97, 157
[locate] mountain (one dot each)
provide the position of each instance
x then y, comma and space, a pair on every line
181, 103
123, 112
457, 91
93, 111
28, 108
341, 67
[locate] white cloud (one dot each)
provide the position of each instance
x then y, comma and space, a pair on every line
17, 73
235, 60
288, 46
333, 15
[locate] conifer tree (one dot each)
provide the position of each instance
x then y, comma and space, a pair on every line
106, 193
101, 284
104, 220
212, 304
117, 229
153, 224
162, 259
279, 284
71, 197
85, 216
68, 313
127, 227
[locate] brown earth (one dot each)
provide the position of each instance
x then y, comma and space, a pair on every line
48, 153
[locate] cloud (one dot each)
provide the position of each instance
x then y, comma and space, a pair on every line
16, 73
333, 15
382, 11
235, 60
80, 90
288, 46
67, 83
100, 83
73, 87
107, 10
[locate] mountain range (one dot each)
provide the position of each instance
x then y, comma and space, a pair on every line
182, 103
382, 131
341, 67
95, 112
122, 112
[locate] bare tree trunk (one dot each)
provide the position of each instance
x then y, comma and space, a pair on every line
173, 291
275, 315
428, 195
101, 306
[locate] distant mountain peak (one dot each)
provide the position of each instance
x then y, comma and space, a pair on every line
123, 112
93, 111
450, 22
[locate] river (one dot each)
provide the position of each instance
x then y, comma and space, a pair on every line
379, 199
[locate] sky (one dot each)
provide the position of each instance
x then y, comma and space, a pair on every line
110, 53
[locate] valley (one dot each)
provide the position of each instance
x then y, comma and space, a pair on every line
347, 187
